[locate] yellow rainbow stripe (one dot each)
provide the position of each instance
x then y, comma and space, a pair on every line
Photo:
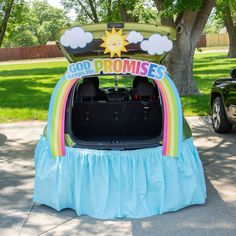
173, 118
56, 117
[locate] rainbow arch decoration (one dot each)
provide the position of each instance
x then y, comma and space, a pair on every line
173, 118
56, 116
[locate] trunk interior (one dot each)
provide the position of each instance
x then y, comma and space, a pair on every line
116, 123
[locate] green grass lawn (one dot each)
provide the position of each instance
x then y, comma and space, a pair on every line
25, 89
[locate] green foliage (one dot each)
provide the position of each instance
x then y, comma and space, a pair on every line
216, 19
34, 24
110, 10
4, 5
145, 12
220, 6
214, 23
176, 7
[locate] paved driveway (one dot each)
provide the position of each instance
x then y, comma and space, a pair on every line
19, 216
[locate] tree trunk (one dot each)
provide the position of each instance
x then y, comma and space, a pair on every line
5, 19
109, 13
165, 20
125, 17
180, 64
94, 12
189, 27
231, 28
91, 16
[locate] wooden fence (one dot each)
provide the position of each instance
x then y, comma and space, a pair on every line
44, 51
50, 51
213, 40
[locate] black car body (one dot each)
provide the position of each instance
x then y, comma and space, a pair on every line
223, 103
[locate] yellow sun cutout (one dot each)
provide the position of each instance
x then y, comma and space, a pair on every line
114, 42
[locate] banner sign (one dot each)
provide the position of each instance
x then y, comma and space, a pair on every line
115, 66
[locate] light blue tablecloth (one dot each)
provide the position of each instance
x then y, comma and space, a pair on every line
108, 184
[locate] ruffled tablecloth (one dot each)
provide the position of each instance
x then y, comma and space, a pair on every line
107, 184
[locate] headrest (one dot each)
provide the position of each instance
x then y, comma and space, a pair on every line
116, 97
139, 79
145, 89
93, 80
233, 73
87, 90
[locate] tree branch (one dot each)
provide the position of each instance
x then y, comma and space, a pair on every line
179, 19
165, 20
86, 11
5, 20
188, 19
109, 14
94, 12
201, 19
228, 20
231, 28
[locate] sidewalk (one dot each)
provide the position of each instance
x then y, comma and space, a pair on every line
20, 216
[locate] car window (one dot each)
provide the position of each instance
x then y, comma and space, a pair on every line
108, 81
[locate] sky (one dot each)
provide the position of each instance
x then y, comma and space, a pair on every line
57, 3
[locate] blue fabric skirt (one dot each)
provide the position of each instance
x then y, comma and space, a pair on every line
107, 184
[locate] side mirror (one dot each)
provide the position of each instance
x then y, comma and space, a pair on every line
233, 73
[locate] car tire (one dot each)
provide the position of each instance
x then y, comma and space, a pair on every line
220, 121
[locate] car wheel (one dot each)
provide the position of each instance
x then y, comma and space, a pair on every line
219, 119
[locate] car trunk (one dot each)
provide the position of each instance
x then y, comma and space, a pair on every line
116, 125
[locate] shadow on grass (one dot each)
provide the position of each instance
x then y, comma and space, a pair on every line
196, 105
33, 71
26, 93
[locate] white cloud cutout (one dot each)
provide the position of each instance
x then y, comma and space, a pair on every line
76, 38
156, 44
134, 37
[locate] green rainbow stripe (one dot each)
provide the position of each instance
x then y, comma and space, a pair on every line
173, 119
56, 117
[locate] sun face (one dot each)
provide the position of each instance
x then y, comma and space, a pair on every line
114, 42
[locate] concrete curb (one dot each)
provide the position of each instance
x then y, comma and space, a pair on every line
23, 125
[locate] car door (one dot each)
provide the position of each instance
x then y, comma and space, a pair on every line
230, 99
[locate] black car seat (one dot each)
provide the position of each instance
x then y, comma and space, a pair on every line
87, 92
145, 93
100, 93
136, 81
93, 80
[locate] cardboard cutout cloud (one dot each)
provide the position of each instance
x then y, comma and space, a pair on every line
76, 38
156, 44
134, 37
